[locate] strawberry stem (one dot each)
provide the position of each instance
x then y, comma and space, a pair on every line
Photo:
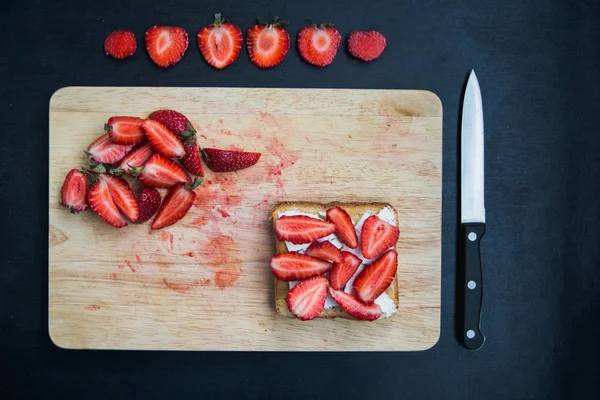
204, 154
195, 184
106, 127
219, 20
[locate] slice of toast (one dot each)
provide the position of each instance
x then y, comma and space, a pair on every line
356, 211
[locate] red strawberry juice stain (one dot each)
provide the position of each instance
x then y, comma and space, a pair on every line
199, 221
188, 254
139, 261
203, 136
113, 276
224, 213
93, 307
121, 266
130, 265
221, 254
182, 288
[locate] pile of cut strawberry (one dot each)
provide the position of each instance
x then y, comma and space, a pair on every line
162, 152
306, 300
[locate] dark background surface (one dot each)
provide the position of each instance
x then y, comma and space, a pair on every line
538, 63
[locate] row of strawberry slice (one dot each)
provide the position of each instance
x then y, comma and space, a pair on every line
306, 300
143, 148
268, 43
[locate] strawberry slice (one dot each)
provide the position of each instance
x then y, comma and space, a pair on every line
372, 281
162, 139
318, 45
354, 307
103, 150
344, 228
122, 196
120, 44
294, 266
192, 160
102, 203
166, 45
177, 203
267, 43
366, 46
74, 191
161, 172
220, 43
341, 272
377, 236
125, 130
299, 229
229, 160
136, 157
149, 204
325, 251
306, 300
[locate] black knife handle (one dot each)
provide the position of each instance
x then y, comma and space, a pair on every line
472, 285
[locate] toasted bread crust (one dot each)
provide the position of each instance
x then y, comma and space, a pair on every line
356, 211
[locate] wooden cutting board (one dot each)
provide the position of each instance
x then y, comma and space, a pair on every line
205, 283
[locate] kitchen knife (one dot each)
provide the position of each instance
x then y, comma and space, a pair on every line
472, 212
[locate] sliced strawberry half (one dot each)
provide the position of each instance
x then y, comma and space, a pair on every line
161, 172
344, 228
125, 130
176, 205
306, 300
74, 191
354, 307
103, 150
149, 203
267, 43
372, 281
166, 45
294, 266
192, 161
341, 272
325, 251
220, 43
175, 121
318, 45
300, 229
102, 203
136, 157
162, 139
229, 160
377, 236
122, 196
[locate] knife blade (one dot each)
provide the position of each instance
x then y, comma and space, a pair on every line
472, 213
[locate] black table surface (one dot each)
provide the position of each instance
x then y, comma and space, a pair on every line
538, 63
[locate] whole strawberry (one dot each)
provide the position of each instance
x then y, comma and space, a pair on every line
229, 160
175, 121
149, 204
120, 44
178, 123
318, 44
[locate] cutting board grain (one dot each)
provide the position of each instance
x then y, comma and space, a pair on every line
205, 283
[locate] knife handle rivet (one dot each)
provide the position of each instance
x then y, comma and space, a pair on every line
472, 236
470, 333
471, 285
